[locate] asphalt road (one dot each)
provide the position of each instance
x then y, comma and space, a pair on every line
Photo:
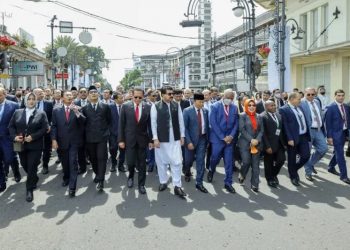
313, 216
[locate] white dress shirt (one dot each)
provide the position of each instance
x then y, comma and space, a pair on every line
344, 116
313, 116
299, 114
29, 113
202, 117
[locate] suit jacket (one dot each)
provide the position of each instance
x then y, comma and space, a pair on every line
37, 127
247, 133
191, 125
260, 107
270, 139
97, 122
220, 128
304, 105
48, 107
9, 109
114, 126
65, 132
334, 122
291, 125
184, 104
132, 132
11, 98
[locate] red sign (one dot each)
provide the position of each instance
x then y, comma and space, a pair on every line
59, 76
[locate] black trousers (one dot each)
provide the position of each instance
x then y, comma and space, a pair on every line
82, 158
136, 156
47, 150
273, 163
69, 158
113, 150
98, 156
303, 150
30, 160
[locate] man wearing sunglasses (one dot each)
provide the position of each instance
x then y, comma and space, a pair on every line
134, 135
314, 120
168, 135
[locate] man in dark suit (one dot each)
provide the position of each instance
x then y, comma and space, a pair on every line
314, 120
196, 139
98, 120
47, 107
113, 138
67, 136
7, 155
278, 98
274, 143
224, 127
297, 134
134, 136
260, 106
337, 126
178, 97
82, 161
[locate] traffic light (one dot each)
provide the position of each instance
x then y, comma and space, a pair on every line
4, 61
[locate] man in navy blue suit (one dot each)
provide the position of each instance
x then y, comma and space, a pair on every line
47, 107
113, 137
224, 127
196, 139
313, 115
298, 137
7, 108
67, 136
337, 126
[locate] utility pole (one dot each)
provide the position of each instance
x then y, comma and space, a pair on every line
52, 25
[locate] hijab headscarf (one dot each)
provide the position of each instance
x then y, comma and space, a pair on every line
251, 115
26, 97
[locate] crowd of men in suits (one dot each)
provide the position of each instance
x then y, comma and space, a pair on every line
170, 129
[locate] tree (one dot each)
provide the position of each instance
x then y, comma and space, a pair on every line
131, 79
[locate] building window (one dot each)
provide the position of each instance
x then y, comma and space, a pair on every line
315, 75
303, 25
325, 21
314, 27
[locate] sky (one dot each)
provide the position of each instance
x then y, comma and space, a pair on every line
157, 15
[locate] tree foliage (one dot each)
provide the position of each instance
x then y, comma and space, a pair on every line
131, 79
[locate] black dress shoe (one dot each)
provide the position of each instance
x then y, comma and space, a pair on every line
121, 168
18, 177
347, 153
65, 183
333, 171
276, 180
100, 186
295, 182
210, 176
272, 184
230, 189
130, 183
255, 189
71, 193
178, 191
314, 170
201, 188
240, 178
45, 170
29, 196
113, 169
142, 189
2, 187
95, 180
346, 180
309, 177
57, 162
162, 187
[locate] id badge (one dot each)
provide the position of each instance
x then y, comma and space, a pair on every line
278, 132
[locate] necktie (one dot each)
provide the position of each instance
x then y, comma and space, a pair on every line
94, 106
343, 114
199, 118
318, 121
300, 119
38, 105
226, 112
67, 114
137, 113
118, 108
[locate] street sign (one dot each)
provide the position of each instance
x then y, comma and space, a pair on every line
27, 68
66, 27
59, 76
85, 37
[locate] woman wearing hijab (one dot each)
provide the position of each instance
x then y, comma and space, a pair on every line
28, 127
250, 143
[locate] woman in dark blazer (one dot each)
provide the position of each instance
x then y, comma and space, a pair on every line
28, 126
250, 143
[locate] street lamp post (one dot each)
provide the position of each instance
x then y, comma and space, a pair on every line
52, 25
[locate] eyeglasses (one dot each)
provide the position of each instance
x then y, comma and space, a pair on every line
251, 105
138, 97
82, 91
93, 91
170, 94
310, 94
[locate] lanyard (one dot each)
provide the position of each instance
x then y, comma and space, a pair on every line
275, 119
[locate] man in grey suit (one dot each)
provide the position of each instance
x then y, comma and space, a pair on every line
98, 119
